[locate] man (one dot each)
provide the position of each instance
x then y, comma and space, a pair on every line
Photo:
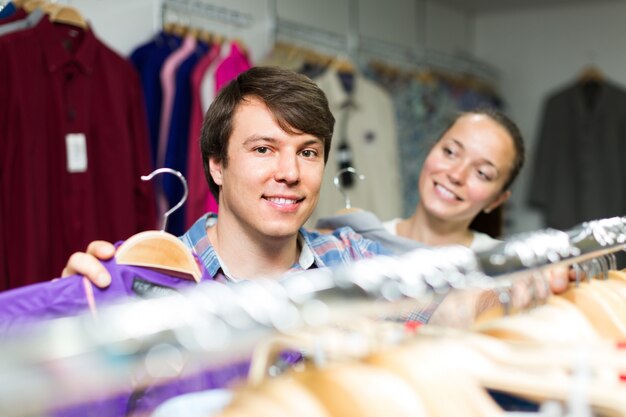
265, 141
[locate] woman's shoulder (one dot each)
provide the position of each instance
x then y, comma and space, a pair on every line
391, 226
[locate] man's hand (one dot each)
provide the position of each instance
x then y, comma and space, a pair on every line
88, 263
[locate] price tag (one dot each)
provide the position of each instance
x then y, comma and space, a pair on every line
76, 147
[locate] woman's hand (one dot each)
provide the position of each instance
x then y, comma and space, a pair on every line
88, 263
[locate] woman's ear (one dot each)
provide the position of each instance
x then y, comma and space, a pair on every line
498, 201
215, 168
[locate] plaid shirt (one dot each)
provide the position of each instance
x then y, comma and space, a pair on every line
341, 247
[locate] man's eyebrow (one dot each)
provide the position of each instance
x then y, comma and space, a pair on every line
266, 139
258, 138
316, 141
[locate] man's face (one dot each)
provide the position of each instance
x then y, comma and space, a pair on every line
270, 185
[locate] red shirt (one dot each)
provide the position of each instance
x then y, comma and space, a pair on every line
57, 80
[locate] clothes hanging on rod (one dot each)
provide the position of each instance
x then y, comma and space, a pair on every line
340, 290
578, 165
175, 109
423, 100
365, 139
59, 140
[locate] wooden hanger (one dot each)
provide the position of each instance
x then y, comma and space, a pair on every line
537, 372
274, 397
50, 8
342, 64
70, 16
557, 321
591, 73
600, 307
424, 364
30, 5
160, 250
19, 3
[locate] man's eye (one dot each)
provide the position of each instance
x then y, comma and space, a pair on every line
309, 153
262, 149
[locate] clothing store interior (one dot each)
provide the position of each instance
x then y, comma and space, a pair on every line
463, 226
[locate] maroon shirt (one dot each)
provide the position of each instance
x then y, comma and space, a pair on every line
57, 80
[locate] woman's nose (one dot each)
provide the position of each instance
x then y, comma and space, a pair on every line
457, 174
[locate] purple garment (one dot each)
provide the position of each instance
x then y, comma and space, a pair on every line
143, 401
67, 297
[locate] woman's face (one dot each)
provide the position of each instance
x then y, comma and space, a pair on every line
465, 171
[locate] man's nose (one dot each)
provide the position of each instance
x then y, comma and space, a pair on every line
287, 168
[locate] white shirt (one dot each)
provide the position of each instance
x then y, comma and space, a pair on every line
480, 242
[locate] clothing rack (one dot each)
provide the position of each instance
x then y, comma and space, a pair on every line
365, 48
534, 250
68, 360
187, 8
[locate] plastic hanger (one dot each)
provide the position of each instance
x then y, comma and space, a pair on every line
348, 206
158, 249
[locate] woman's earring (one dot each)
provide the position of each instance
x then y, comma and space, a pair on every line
487, 211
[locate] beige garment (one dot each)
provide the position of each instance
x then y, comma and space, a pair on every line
371, 132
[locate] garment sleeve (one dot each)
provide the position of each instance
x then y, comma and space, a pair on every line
360, 247
543, 160
5, 87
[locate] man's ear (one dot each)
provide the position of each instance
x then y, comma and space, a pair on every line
501, 199
215, 168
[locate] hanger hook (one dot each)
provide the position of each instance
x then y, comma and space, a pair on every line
346, 197
185, 188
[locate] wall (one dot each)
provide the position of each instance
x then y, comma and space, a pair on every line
540, 49
123, 24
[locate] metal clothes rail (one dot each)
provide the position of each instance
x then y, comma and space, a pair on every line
70, 360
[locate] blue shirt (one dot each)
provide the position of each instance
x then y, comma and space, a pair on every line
148, 60
7, 11
343, 246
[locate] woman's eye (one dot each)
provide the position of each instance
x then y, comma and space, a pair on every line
448, 151
483, 175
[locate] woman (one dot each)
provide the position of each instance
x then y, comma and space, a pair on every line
465, 179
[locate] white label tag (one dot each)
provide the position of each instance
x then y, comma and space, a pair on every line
76, 146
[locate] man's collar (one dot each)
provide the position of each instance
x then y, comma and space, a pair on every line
197, 238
